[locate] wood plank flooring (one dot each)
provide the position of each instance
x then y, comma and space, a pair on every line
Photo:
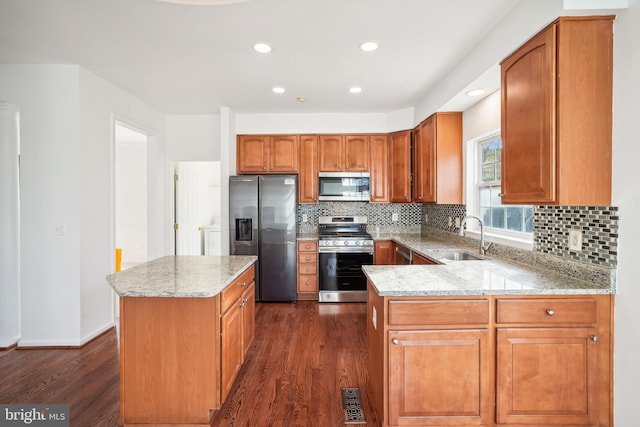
301, 356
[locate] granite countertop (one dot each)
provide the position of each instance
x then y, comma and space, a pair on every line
307, 236
489, 276
180, 276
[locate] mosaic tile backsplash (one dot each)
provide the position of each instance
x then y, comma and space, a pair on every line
598, 224
378, 215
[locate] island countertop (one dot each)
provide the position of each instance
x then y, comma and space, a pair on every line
180, 276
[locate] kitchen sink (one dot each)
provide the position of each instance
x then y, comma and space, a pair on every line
457, 256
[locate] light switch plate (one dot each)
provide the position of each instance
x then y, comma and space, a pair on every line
575, 240
457, 222
394, 216
305, 218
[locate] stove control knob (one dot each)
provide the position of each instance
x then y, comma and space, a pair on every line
358, 242
346, 243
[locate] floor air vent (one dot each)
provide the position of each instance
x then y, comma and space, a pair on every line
352, 407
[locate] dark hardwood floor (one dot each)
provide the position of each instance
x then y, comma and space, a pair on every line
301, 356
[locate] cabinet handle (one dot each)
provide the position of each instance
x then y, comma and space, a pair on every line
307, 269
264, 168
594, 338
500, 194
308, 258
244, 284
550, 312
395, 341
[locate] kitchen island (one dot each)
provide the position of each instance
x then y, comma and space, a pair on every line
487, 342
185, 325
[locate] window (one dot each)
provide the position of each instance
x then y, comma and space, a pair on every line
489, 207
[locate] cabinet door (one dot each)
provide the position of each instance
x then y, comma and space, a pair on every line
400, 163
425, 162
308, 178
379, 168
356, 149
252, 153
331, 151
439, 375
248, 317
528, 122
420, 260
232, 350
547, 376
283, 153
383, 252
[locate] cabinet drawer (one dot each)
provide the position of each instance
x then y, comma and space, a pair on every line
307, 283
547, 310
307, 257
439, 312
307, 246
235, 289
308, 268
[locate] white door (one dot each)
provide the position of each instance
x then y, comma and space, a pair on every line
197, 203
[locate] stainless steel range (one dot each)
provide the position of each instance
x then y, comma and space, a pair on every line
344, 246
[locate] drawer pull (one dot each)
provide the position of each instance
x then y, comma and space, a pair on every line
395, 341
550, 312
308, 258
307, 269
595, 338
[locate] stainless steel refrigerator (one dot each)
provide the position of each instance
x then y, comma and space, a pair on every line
262, 222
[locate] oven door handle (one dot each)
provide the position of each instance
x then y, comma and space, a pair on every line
348, 250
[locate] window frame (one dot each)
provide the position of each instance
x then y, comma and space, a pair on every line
473, 183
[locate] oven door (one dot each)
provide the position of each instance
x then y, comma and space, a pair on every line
342, 271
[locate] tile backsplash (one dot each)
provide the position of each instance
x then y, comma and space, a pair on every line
378, 215
598, 224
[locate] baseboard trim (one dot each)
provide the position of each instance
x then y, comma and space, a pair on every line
43, 345
9, 343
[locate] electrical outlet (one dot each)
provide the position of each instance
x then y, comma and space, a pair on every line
450, 222
60, 230
426, 218
394, 217
457, 222
575, 240
305, 218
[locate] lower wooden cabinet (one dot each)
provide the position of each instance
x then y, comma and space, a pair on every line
444, 361
436, 374
237, 326
383, 252
308, 270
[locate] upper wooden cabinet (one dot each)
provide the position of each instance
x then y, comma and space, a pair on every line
557, 114
438, 159
379, 168
349, 153
308, 177
267, 154
400, 166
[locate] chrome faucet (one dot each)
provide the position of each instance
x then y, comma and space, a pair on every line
483, 248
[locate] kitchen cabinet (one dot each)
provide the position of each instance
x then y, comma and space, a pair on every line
344, 153
237, 325
445, 360
400, 167
553, 361
383, 252
379, 168
438, 159
308, 270
420, 260
308, 176
263, 154
557, 115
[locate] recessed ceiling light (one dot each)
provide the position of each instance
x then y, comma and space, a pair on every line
301, 99
475, 92
368, 46
262, 47
355, 89
278, 89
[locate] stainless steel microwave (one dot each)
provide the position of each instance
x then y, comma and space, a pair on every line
343, 186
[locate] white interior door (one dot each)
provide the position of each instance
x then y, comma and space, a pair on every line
197, 204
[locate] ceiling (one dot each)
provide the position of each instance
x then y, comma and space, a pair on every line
186, 59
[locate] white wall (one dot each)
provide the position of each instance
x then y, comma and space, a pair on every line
626, 195
195, 137
67, 180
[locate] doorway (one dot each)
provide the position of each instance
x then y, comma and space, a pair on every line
130, 194
197, 197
